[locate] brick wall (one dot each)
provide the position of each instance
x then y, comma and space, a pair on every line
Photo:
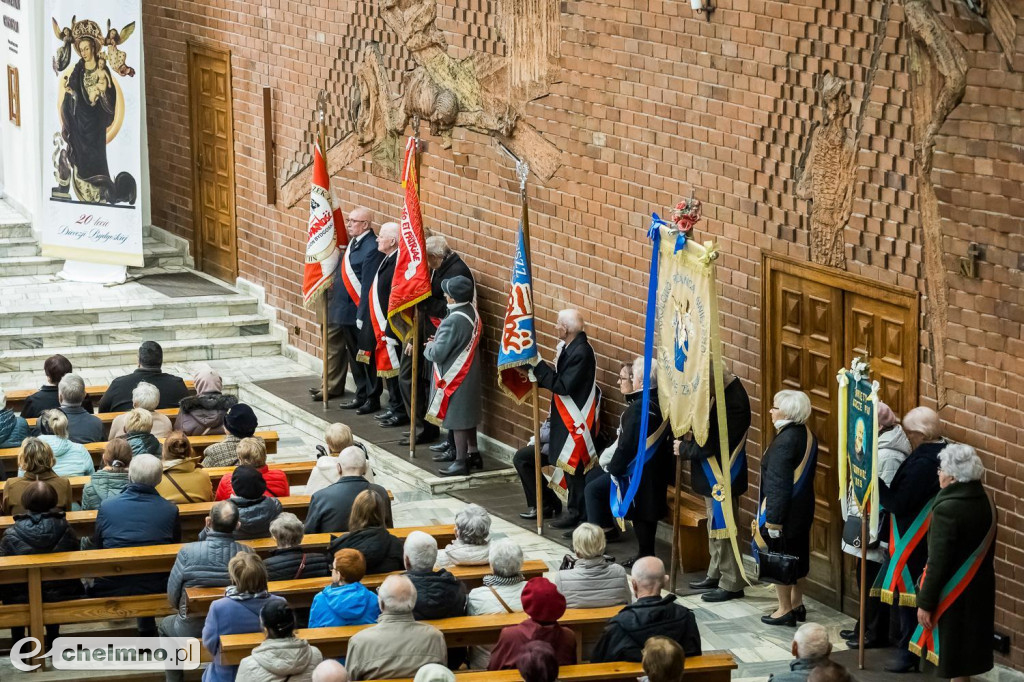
650, 102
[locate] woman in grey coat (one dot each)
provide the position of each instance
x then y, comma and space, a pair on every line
454, 352
593, 581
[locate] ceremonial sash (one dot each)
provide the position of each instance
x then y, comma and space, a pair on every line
618, 503
718, 529
349, 277
803, 475
578, 450
385, 352
925, 642
449, 382
895, 576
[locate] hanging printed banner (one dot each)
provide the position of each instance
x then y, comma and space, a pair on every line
518, 345
326, 235
858, 438
92, 123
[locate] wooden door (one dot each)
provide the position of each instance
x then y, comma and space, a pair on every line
213, 161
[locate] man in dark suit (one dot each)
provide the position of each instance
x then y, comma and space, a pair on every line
118, 397
574, 405
330, 507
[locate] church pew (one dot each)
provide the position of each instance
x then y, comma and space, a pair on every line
694, 554
193, 516
108, 418
16, 399
300, 593
461, 631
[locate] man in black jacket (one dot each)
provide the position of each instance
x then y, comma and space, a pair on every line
723, 577
330, 507
439, 594
651, 614
55, 367
118, 397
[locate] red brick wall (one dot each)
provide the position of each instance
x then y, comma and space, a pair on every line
651, 102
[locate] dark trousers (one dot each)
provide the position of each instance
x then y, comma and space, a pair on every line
368, 386
906, 617
395, 396
876, 626
18, 633
525, 467
405, 384
337, 361
599, 511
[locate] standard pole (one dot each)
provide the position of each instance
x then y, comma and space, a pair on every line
863, 584
415, 376
538, 475
674, 560
323, 296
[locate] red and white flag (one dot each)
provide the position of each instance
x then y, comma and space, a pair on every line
412, 275
326, 235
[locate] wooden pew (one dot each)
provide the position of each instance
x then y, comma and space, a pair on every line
458, 632
300, 593
694, 554
297, 473
16, 399
108, 417
193, 516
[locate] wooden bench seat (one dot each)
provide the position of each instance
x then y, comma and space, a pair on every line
460, 631
16, 399
693, 530
108, 417
300, 593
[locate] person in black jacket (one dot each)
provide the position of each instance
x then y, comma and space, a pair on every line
439, 594
913, 487
41, 530
55, 367
723, 576
651, 614
118, 397
331, 507
290, 561
368, 534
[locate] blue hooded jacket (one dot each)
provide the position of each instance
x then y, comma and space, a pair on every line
350, 604
229, 616
13, 429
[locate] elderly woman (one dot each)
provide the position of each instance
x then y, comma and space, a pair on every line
72, 458
35, 463
338, 437
183, 481
13, 429
112, 478
593, 581
237, 612
281, 657
787, 498
957, 636
472, 539
501, 592
253, 452
137, 426
146, 397
256, 510
202, 414
368, 533
290, 561
346, 601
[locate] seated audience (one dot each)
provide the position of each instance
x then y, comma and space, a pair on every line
472, 539
331, 506
439, 594
240, 422
501, 592
810, 648
346, 601
36, 461
202, 414
72, 458
256, 511
593, 581
663, 660
253, 452
434, 672
338, 437
42, 529
13, 429
544, 605
138, 424
330, 670
112, 478
651, 614
202, 564
55, 367
118, 397
237, 613
183, 481
398, 646
830, 671
537, 662
137, 517
83, 426
146, 397
281, 657
368, 534
290, 561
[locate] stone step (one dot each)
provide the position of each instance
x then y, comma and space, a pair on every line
18, 246
161, 254
27, 315
127, 354
108, 333
17, 264
15, 229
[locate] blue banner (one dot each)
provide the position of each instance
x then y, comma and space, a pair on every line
518, 341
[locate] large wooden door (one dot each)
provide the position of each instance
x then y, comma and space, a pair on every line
815, 321
213, 160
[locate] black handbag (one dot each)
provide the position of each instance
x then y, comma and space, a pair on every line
777, 567
851, 532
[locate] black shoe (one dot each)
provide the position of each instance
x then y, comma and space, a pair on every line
441, 447
318, 396
718, 594
421, 438
801, 613
455, 469
904, 664
387, 414
704, 584
366, 408
612, 534
394, 422
531, 513
788, 618
628, 563
428, 434
568, 533
855, 644
566, 520
475, 461
352, 404
445, 456
849, 634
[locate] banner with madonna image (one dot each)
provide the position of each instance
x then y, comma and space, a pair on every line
92, 132
858, 440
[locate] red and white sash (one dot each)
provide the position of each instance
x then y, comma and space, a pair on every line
350, 278
446, 385
386, 352
578, 450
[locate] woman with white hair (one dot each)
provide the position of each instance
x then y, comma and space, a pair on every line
472, 539
955, 632
501, 592
146, 397
593, 581
786, 509
72, 458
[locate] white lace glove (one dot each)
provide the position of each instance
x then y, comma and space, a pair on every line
774, 533
359, 324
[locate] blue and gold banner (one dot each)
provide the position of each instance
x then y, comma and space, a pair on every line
858, 439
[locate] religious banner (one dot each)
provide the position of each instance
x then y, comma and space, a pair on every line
518, 344
325, 235
92, 123
858, 439
412, 275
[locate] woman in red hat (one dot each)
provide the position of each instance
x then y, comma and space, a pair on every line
544, 605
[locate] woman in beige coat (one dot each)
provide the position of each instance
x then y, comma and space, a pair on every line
183, 482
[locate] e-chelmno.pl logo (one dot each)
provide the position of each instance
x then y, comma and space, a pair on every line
109, 653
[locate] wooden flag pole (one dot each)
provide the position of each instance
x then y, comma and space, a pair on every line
863, 583
674, 560
321, 105
415, 374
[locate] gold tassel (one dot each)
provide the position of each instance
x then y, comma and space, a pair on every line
908, 599
886, 596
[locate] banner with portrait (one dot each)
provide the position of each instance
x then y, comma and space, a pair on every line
92, 127
858, 440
